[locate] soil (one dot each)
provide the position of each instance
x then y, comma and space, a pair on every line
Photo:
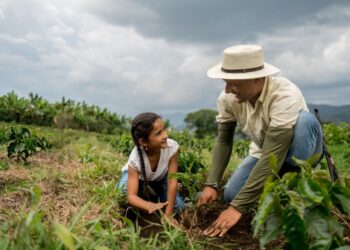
62, 197
194, 220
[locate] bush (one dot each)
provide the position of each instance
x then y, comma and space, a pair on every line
337, 135
123, 143
300, 206
241, 147
191, 172
21, 143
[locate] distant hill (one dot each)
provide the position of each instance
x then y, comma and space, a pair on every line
334, 114
328, 113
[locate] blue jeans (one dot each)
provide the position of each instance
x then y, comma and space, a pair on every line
160, 188
306, 142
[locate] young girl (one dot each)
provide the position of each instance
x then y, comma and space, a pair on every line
146, 174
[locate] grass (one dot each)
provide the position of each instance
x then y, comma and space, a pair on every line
66, 198
341, 156
77, 203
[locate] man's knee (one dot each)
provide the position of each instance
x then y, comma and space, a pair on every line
307, 120
307, 127
228, 195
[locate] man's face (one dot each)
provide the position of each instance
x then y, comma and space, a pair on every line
244, 90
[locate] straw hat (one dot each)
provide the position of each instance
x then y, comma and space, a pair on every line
242, 62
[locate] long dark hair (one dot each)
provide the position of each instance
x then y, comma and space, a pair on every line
141, 128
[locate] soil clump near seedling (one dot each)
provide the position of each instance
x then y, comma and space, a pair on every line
193, 221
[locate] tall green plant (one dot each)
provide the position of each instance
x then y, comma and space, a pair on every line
300, 205
191, 172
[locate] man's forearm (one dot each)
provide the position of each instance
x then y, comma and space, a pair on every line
277, 141
222, 151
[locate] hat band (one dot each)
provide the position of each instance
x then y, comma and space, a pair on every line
241, 70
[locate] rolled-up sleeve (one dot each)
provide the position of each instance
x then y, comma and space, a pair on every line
276, 142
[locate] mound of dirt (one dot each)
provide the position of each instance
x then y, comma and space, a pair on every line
196, 219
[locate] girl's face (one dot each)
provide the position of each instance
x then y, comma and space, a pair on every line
157, 139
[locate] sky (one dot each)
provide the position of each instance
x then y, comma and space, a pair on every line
135, 56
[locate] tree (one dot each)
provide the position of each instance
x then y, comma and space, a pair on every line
202, 122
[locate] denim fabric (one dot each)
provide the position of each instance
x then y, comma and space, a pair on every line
307, 141
160, 187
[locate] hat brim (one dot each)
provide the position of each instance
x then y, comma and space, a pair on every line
216, 72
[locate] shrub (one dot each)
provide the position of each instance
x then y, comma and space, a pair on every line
241, 147
21, 143
300, 206
337, 134
123, 143
191, 172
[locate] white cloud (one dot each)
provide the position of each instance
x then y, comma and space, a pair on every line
316, 52
58, 48
83, 57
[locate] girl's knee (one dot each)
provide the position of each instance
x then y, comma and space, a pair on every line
180, 204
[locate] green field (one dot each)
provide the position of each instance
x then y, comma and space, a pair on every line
66, 198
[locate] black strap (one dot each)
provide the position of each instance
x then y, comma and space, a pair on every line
330, 162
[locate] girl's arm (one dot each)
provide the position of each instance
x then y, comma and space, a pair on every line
172, 186
134, 199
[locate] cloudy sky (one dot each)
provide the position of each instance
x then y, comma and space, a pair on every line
133, 56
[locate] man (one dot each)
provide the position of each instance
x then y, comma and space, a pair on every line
273, 113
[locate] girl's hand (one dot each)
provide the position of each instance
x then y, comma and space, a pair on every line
171, 221
152, 207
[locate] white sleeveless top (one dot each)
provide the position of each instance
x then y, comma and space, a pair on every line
162, 168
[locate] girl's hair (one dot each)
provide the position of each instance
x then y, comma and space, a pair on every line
141, 128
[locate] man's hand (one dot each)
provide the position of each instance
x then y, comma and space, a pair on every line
208, 195
152, 207
227, 219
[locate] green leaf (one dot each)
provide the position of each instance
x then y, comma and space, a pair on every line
317, 226
343, 248
290, 179
4, 243
294, 230
305, 166
101, 248
263, 212
321, 244
273, 227
336, 228
296, 202
341, 198
311, 190
313, 159
65, 236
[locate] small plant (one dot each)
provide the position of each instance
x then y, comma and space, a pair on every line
123, 143
337, 134
241, 147
301, 207
191, 172
189, 159
21, 143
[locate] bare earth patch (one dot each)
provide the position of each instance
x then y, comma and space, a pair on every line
61, 198
194, 220
13, 174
